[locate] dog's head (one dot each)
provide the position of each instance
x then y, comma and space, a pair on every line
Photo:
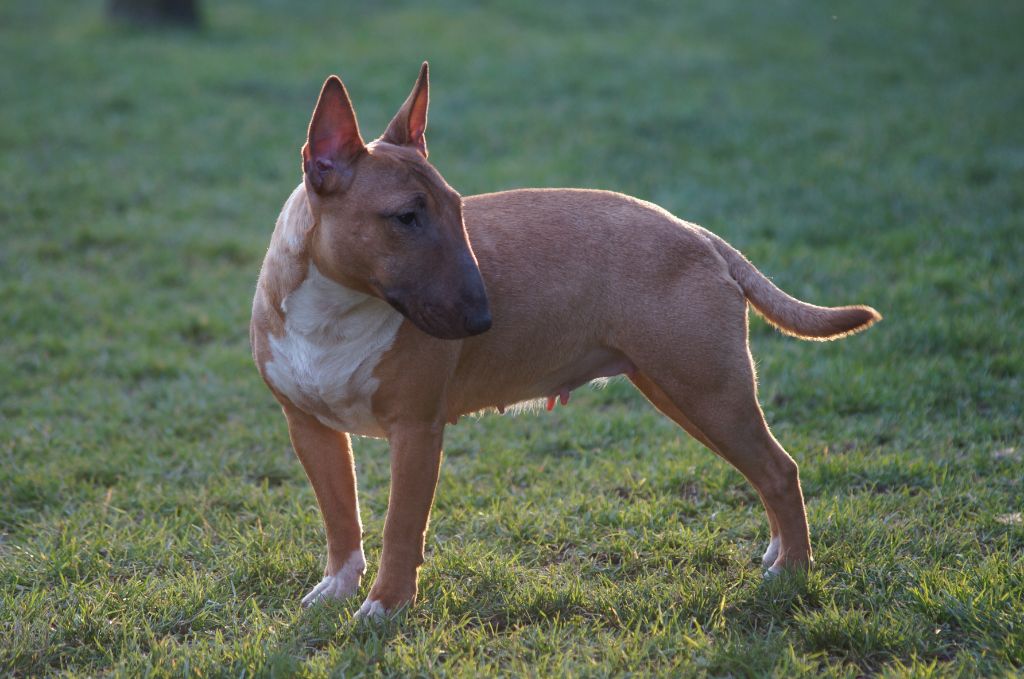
386, 222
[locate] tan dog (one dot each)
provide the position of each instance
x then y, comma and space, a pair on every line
380, 282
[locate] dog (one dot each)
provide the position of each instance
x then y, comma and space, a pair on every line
388, 306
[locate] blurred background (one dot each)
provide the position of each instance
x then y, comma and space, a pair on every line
869, 153
865, 152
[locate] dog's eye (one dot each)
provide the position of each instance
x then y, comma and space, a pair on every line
406, 218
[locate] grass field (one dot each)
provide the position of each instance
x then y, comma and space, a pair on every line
153, 519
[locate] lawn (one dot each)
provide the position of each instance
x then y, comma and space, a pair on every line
153, 519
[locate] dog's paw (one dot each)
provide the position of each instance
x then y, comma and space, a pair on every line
378, 610
777, 570
343, 584
388, 597
772, 553
372, 610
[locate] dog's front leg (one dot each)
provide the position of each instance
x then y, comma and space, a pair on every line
326, 455
415, 461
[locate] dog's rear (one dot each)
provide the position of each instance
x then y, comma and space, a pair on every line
590, 283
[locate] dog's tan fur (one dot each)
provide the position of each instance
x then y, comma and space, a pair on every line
580, 284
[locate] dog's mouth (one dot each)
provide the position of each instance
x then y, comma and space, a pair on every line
453, 323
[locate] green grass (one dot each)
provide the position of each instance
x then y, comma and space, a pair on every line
154, 521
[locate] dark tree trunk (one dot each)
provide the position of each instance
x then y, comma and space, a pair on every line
156, 12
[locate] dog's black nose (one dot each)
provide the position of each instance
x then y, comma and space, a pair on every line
477, 322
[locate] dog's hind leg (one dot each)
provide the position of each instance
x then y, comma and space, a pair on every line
326, 455
723, 407
663, 403
696, 355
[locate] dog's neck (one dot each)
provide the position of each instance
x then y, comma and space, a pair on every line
323, 308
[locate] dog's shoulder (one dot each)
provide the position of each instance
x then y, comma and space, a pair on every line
284, 269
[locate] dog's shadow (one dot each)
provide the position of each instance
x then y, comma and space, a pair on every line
330, 624
778, 598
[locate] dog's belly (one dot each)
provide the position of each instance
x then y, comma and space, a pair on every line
323, 363
528, 379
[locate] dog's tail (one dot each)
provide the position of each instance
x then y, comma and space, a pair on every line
787, 313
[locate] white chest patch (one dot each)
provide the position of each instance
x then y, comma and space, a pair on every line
333, 339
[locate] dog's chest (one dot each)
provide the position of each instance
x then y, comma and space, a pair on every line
333, 339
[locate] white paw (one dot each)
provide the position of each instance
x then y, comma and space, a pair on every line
772, 553
344, 583
776, 571
371, 610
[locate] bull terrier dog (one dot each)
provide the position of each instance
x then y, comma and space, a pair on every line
389, 305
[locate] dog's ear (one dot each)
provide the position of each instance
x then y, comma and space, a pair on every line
408, 126
333, 143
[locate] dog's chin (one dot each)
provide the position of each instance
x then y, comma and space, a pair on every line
432, 325
440, 330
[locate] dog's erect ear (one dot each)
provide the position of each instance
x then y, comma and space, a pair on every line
408, 126
334, 143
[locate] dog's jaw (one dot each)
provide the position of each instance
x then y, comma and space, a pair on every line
343, 584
